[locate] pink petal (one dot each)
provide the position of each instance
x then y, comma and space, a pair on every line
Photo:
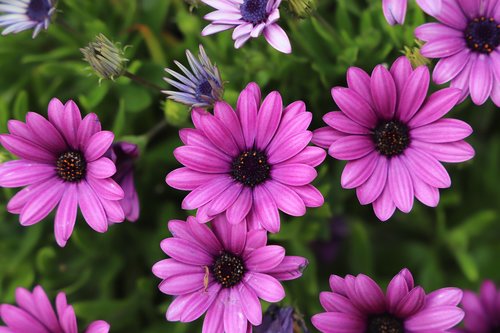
265, 286
328, 322
234, 318
481, 80
218, 134
264, 258
187, 179
182, 284
401, 70
384, 206
268, 119
170, 267
250, 304
38, 208
201, 159
101, 168
443, 47
357, 172
436, 106
351, 147
91, 208
189, 307
225, 199
207, 192
411, 303
435, 319
290, 268
394, 11
215, 28
225, 113
247, 112
26, 149
214, 319
99, 326
339, 121
186, 252
434, 30
312, 156
325, 136
98, 144
426, 168
89, 126
45, 134
293, 174
354, 106
359, 81
383, 92
240, 208
232, 236
413, 94
19, 173
442, 131
287, 200
277, 37
266, 209
311, 196
373, 187
400, 184
66, 215
69, 121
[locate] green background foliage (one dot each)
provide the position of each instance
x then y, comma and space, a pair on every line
108, 276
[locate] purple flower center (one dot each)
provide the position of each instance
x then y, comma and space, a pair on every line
71, 166
228, 269
204, 88
38, 10
385, 323
391, 138
254, 11
251, 168
483, 35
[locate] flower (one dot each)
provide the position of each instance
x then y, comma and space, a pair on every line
250, 18
223, 271
61, 164
358, 305
123, 154
395, 10
482, 312
302, 9
105, 58
281, 320
20, 15
201, 87
34, 313
249, 163
467, 41
394, 137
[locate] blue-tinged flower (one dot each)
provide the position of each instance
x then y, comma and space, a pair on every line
20, 15
200, 87
281, 320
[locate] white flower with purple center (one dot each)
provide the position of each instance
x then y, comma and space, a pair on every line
249, 18
20, 15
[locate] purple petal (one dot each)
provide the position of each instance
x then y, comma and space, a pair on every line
98, 326
264, 258
189, 307
214, 319
427, 194
38, 208
247, 113
182, 284
106, 188
89, 126
394, 11
337, 322
396, 291
431, 7
448, 68
268, 119
436, 106
98, 144
186, 252
250, 304
170, 267
357, 172
401, 70
351, 147
359, 81
218, 134
234, 318
287, 200
339, 121
481, 79
442, 131
204, 236
66, 215
240, 208
293, 174
383, 92
277, 37
187, 179
91, 208
400, 184
384, 206
443, 47
19, 173
411, 303
290, 268
225, 113
413, 94
451, 14
225, 199
215, 28
312, 156
266, 209
232, 236
370, 294
433, 31
44, 133
265, 286
373, 187
45, 312
201, 159
26, 149
277, 152
333, 302
354, 106
325, 136
435, 319
444, 297
101, 168
69, 122
311, 196
426, 168
206, 192
19, 320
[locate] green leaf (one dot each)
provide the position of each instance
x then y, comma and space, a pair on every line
21, 105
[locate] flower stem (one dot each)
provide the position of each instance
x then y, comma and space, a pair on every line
142, 81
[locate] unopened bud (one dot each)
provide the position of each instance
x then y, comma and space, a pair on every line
105, 58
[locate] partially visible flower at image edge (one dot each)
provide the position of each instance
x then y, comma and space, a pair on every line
395, 10
20, 15
223, 271
281, 320
201, 86
250, 19
105, 57
357, 304
34, 314
394, 137
61, 164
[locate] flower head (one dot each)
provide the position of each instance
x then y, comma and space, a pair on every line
467, 42
281, 320
20, 15
249, 163
222, 271
34, 313
358, 305
250, 18
61, 164
482, 312
393, 137
105, 58
124, 154
200, 87
302, 8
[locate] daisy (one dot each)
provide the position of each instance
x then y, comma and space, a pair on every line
35, 314
482, 312
20, 15
467, 42
61, 164
223, 271
249, 164
394, 137
358, 305
249, 18
395, 10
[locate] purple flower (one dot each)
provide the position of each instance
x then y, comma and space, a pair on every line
20, 15
358, 305
467, 40
393, 137
123, 154
61, 164
250, 163
482, 312
395, 10
35, 314
250, 18
222, 271
281, 320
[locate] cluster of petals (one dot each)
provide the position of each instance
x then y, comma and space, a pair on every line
192, 276
21, 15
395, 10
34, 314
358, 305
48, 152
250, 163
394, 137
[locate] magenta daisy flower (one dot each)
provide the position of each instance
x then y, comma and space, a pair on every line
358, 305
250, 163
394, 137
61, 164
395, 10
482, 312
467, 40
35, 314
249, 18
222, 271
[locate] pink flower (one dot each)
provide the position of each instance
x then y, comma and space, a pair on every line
482, 312
249, 164
395, 10
62, 165
250, 18
358, 305
467, 42
222, 271
393, 137
34, 314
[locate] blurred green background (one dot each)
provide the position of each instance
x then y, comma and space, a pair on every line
109, 276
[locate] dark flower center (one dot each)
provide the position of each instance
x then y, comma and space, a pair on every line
228, 270
385, 324
38, 10
204, 88
251, 168
483, 35
71, 166
495, 329
391, 138
254, 11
